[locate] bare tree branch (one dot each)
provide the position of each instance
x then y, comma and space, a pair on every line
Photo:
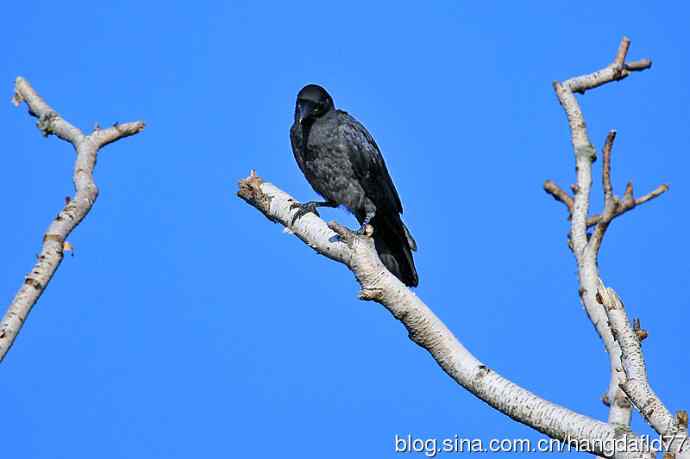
76, 208
635, 384
428, 331
630, 203
625, 359
559, 194
610, 201
615, 71
584, 150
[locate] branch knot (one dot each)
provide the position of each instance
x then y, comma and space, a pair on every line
45, 122
586, 151
371, 294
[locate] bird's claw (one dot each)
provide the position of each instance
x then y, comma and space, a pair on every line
304, 209
364, 230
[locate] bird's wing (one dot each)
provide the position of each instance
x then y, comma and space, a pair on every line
367, 163
297, 145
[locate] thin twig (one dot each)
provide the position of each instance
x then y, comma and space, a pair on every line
615, 71
606, 167
623, 48
559, 194
629, 203
610, 201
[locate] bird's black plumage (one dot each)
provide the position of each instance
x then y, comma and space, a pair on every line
342, 162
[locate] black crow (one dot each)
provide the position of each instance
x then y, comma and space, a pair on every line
342, 163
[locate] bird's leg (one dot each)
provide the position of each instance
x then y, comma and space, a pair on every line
362, 230
309, 207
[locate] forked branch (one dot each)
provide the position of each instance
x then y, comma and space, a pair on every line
613, 206
604, 308
76, 208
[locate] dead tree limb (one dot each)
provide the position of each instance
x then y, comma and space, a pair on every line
76, 207
604, 308
428, 331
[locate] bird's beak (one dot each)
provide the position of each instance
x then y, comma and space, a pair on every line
305, 109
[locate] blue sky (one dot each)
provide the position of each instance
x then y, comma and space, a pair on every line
186, 325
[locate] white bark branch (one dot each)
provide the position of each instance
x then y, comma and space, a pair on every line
628, 203
428, 331
635, 381
621, 353
76, 208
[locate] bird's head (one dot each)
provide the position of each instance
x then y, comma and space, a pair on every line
312, 102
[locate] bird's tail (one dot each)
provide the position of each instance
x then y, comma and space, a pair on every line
395, 244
